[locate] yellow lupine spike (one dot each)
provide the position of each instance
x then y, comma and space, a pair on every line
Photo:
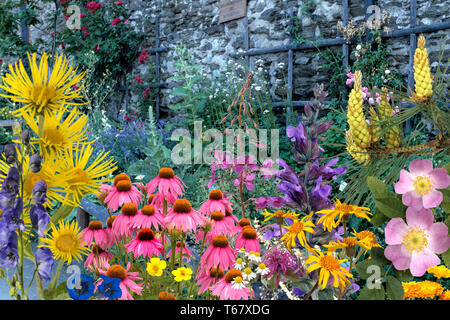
375, 128
422, 75
355, 114
392, 137
359, 154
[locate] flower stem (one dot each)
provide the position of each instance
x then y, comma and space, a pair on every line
145, 278
308, 295
198, 263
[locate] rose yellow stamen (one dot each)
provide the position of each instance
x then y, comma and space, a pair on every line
422, 185
415, 239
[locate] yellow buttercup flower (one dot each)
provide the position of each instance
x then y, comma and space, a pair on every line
43, 93
83, 176
156, 267
425, 289
422, 75
279, 215
62, 131
182, 274
64, 241
439, 271
340, 211
297, 230
328, 266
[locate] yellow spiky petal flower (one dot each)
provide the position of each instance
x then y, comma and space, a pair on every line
279, 215
393, 136
63, 130
355, 114
297, 230
422, 75
64, 241
329, 266
47, 90
82, 176
367, 239
340, 211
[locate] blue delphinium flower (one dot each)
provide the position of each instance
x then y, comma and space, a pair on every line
44, 263
86, 291
109, 288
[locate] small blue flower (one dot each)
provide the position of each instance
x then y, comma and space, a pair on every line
110, 288
86, 291
298, 292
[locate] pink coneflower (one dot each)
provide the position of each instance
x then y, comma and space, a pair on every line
248, 239
170, 187
147, 217
97, 257
183, 216
215, 202
126, 277
95, 233
145, 244
219, 254
241, 224
224, 289
110, 232
186, 252
207, 278
220, 226
122, 223
122, 191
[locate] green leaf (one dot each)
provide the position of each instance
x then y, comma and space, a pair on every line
180, 91
61, 213
377, 187
304, 284
368, 268
391, 207
394, 289
446, 258
403, 275
377, 254
378, 218
447, 167
326, 294
372, 294
291, 276
447, 221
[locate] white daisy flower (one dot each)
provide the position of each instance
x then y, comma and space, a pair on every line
248, 274
262, 269
240, 264
238, 283
254, 256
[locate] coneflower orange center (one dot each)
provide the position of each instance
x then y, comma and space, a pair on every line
116, 271
244, 222
129, 209
96, 249
145, 234
148, 210
179, 244
123, 185
220, 241
150, 198
228, 213
182, 206
213, 273
95, 225
110, 221
163, 295
217, 215
121, 177
249, 233
231, 274
215, 194
329, 263
166, 173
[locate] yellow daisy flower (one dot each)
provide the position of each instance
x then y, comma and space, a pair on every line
156, 267
82, 176
182, 274
329, 266
65, 242
348, 243
297, 230
279, 215
44, 93
367, 239
63, 130
439, 271
340, 211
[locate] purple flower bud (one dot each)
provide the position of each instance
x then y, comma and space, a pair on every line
39, 193
10, 153
44, 262
25, 137
35, 163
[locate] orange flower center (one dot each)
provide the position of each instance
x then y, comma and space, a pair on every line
116, 271
166, 173
279, 214
415, 239
244, 222
121, 177
217, 215
296, 227
350, 241
95, 225
129, 209
145, 234
215, 195
329, 263
110, 221
228, 213
423, 185
182, 206
96, 249
248, 232
164, 296
150, 198
148, 210
214, 273
178, 244
123, 185
231, 274
220, 241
